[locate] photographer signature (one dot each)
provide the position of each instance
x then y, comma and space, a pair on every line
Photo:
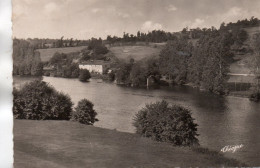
231, 148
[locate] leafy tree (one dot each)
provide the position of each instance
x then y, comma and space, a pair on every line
111, 76
166, 123
152, 67
208, 66
74, 70
242, 36
71, 42
174, 58
57, 58
256, 62
38, 101
138, 75
123, 73
84, 75
26, 61
84, 112
60, 42
93, 43
37, 68
100, 49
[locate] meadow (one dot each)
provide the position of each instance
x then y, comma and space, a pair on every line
136, 52
60, 144
46, 54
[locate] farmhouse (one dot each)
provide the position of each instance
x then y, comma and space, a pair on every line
95, 66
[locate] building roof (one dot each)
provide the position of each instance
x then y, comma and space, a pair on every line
94, 62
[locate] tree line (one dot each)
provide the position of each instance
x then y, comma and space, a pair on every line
26, 60
44, 43
158, 36
244, 23
205, 64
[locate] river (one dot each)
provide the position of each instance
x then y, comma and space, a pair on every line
222, 120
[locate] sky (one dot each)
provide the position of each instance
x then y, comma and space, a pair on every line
83, 19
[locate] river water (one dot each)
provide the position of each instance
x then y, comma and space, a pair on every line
222, 120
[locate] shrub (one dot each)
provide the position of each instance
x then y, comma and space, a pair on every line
111, 76
255, 97
165, 123
47, 73
38, 101
84, 75
100, 49
84, 112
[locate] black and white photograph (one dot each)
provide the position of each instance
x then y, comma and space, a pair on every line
135, 83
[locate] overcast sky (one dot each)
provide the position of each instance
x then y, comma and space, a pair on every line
83, 19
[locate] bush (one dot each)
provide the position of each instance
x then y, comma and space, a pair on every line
100, 49
38, 101
47, 73
255, 97
165, 123
84, 112
111, 76
84, 75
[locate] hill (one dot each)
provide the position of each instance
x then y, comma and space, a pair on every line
242, 64
136, 52
60, 144
46, 54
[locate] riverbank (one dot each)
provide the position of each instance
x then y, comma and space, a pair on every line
69, 144
241, 94
25, 79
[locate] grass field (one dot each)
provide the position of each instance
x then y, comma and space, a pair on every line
60, 144
46, 54
135, 52
243, 63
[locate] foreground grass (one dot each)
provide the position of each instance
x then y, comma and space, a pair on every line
60, 144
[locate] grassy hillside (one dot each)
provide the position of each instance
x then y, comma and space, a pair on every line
135, 52
242, 64
60, 144
46, 54
252, 30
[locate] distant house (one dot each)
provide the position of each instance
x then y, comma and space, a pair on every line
95, 66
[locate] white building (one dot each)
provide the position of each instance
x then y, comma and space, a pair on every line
95, 66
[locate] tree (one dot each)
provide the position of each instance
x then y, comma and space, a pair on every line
256, 63
60, 42
242, 36
84, 112
174, 58
71, 42
26, 60
123, 73
208, 66
100, 49
138, 75
152, 67
37, 68
165, 123
56, 58
39, 101
93, 43
84, 75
